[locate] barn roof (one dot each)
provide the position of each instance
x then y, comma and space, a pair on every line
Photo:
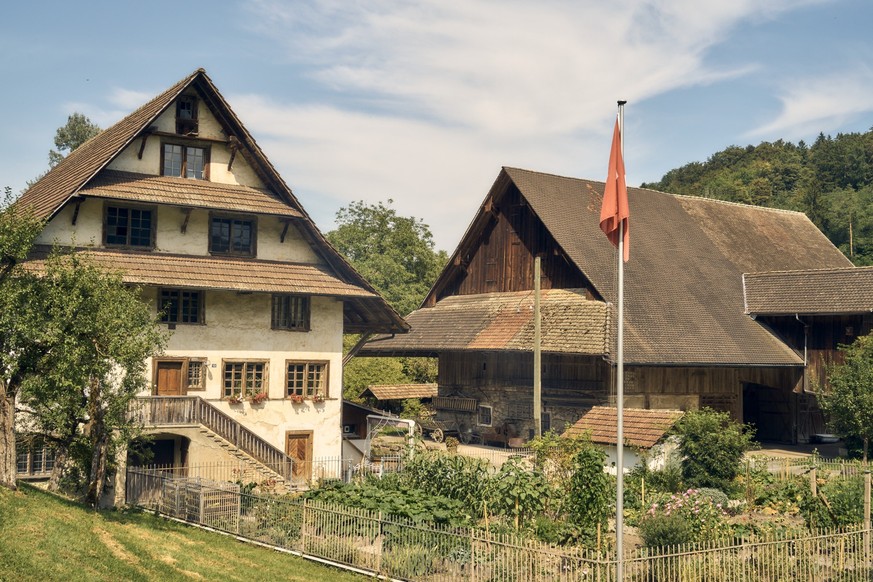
571, 323
642, 427
683, 283
813, 292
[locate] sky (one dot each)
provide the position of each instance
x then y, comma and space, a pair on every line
423, 101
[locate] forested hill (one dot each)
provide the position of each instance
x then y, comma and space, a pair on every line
831, 181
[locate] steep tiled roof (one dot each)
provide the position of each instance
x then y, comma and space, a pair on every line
207, 272
51, 192
642, 428
402, 391
83, 172
185, 192
822, 291
504, 321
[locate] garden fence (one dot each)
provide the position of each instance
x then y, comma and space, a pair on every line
401, 549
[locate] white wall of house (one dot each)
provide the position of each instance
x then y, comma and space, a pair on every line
237, 327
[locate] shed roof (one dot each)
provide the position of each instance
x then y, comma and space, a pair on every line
571, 323
642, 427
811, 292
402, 391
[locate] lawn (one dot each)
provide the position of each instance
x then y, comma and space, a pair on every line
43, 538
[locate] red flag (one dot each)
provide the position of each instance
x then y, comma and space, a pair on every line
615, 208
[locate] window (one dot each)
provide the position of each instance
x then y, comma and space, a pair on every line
243, 379
180, 306
34, 458
232, 236
484, 415
546, 422
196, 375
186, 115
290, 312
129, 227
306, 379
184, 161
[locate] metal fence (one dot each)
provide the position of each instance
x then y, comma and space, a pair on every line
399, 548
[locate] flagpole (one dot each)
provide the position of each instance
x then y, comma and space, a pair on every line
619, 389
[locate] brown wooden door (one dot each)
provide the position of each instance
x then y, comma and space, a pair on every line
299, 448
169, 379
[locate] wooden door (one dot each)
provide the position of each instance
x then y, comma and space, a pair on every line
299, 448
168, 378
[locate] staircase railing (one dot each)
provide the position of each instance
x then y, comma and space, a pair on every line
170, 410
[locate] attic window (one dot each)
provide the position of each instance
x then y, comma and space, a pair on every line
185, 161
186, 115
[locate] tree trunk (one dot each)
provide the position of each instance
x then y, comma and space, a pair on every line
8, 458
98, 437
61, 458
98, 469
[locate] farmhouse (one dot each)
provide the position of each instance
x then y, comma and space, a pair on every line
180, 199
705, 314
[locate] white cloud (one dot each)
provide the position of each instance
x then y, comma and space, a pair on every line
810, 104
429, 98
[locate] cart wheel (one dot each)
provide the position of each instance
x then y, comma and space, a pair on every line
417, 430
437, 435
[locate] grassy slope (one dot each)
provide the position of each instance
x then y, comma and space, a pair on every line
46, 538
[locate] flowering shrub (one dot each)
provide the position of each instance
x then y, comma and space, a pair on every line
259, 397
696, 515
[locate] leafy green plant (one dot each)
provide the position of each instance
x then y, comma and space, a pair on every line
712, 446
462, 478
665, 530
590, 491
518, 492
393, 497
844, 504
705, 520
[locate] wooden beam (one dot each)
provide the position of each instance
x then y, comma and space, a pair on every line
76, 210
234, 146
193, 138
145, 136
187, 212
284, 231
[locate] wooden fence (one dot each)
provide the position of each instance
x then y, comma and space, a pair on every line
402, 549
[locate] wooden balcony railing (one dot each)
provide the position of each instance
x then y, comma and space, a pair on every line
176, 410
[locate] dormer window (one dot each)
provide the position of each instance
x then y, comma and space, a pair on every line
185, 161
186, 115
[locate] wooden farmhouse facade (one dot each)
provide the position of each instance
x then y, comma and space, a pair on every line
179, 198
690, 338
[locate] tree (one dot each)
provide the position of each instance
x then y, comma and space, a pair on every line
712, 445
71, 135
73, 346
100, 333
18, 230
849, 401
396, 255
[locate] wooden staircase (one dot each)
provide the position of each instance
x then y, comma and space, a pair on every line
239, 441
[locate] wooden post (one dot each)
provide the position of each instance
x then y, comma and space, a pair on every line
537, 365
867, 518
813, 482
379, 544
